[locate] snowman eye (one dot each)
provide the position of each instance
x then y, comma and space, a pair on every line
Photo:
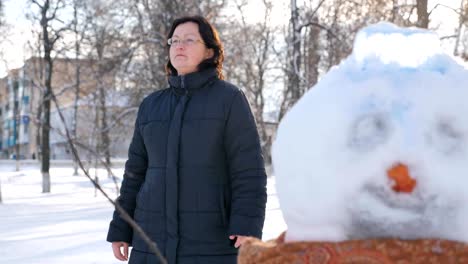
369, 131
446, 138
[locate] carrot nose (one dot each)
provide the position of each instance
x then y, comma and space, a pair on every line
399, 173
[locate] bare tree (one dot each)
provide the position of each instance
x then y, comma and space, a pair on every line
302, 59
48, 14
249, 62
110, 45
291, 92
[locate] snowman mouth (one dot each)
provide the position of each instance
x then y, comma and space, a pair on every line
379, 211
384, 195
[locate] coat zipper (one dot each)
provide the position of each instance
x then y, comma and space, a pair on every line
182, 83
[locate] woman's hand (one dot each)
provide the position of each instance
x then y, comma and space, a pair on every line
116, 248
240, 240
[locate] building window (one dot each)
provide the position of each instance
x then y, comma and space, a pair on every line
16, 85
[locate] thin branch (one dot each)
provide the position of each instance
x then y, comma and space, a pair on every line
37, 3
312, 23
54, 13
448, 37
57, 35
125, 216
442, 5
317, 8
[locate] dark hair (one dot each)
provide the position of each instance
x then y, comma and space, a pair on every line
211, 38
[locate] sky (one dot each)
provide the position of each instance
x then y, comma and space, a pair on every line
15, 10
13, 49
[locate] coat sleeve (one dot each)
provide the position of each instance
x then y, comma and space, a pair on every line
246, 170
134, 175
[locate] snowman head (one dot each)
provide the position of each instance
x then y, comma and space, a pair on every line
379, 147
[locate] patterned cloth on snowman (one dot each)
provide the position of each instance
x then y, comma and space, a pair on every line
369, 251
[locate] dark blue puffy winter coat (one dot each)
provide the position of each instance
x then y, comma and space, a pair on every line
194, 174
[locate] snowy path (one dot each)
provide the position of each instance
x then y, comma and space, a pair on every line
70, 224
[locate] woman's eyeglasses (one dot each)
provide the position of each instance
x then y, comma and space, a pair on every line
186, 42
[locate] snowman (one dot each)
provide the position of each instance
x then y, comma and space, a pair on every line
379, 147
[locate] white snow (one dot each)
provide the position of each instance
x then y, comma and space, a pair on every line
396, 99
389, 44
69, 225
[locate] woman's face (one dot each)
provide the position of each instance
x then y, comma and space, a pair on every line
190, 50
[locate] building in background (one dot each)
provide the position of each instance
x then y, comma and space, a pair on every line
21, 94
14, 114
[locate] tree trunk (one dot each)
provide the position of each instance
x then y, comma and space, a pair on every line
292, 93
313, 58
45, 162
296, 58
38, 131
461, 21
423, 15
394, 11
105, 141
48, 45
75, 115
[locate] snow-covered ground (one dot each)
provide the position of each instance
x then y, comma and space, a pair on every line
69, 225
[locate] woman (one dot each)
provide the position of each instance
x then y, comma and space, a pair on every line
195, 179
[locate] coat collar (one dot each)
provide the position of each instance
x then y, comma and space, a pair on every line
187, 84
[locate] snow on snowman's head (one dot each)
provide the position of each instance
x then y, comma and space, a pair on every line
378, 148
